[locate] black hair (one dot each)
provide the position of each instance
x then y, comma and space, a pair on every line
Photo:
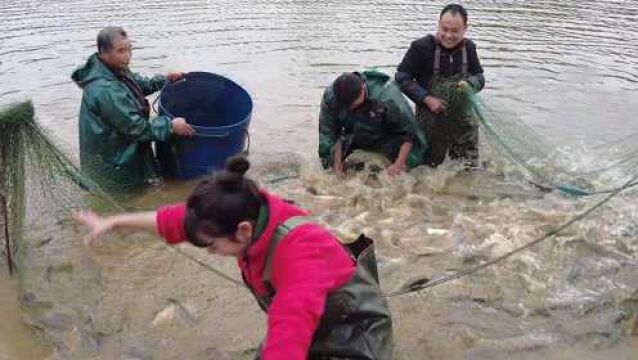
107, 36
347, 88
219, 203
455, 9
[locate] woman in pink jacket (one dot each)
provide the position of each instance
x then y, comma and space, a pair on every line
322, 298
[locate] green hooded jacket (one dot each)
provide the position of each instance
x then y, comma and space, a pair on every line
115, 133
383, 124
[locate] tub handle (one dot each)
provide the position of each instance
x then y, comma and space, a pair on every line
220, 136
224, 135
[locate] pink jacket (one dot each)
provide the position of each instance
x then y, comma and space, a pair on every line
308, 264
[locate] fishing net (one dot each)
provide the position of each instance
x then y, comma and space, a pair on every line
540, 162
31, 163
66, 288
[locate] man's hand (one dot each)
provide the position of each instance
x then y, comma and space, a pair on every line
337, 168
435, 104
337, 163
463, 85
399, 164
181, 128
174, 76
395, 169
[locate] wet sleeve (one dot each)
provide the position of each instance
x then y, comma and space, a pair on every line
149, 85
329, 132
476, 79
400, 114
409, 70
403, 127
120, 111
170, 223
304, 271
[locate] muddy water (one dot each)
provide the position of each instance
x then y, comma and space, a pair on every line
578, 288
566, 69
17, 340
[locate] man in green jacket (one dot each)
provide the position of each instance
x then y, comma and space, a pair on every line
115, 130
367, 111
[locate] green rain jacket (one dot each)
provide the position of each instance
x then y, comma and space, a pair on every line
115, 132
386, 119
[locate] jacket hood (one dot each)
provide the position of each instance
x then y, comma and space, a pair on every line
92, 70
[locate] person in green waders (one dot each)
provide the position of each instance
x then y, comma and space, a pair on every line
434, 73
366, 111
115, 132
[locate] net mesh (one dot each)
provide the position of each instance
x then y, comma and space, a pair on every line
33, 164
574, 170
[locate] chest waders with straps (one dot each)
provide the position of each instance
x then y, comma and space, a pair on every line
453, 132
356, 322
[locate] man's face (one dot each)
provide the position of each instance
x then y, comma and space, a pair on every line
451, 30
119, 56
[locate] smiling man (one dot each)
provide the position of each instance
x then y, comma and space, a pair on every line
115, 130
430, 71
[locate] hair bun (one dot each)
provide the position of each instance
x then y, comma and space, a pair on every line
237, 164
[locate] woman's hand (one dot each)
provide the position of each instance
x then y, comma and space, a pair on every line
96, 224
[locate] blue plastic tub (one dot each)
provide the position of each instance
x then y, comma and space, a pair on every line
219, 111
